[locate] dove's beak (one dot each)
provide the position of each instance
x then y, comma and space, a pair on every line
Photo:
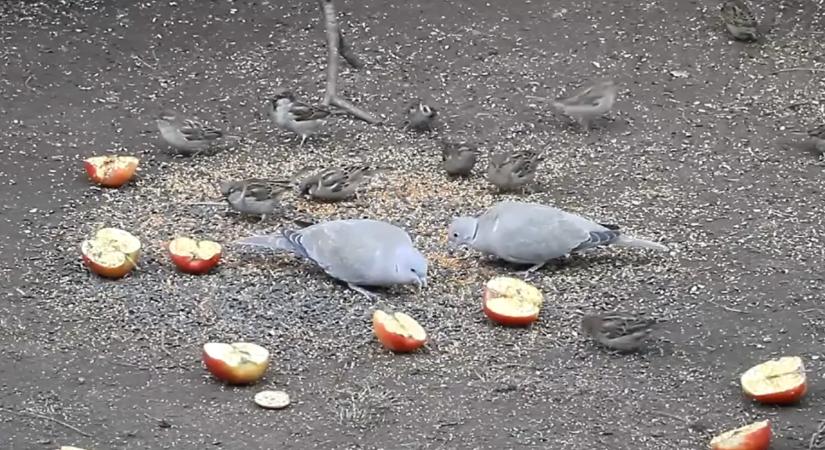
421, 282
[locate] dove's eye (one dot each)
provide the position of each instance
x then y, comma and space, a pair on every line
455, 234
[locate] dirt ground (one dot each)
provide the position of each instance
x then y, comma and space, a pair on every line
692, 156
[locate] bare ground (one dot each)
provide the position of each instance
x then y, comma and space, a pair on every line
690, 157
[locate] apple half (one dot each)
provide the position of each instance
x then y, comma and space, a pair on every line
778, 381
111, 252
756, 436
512, 302
236, 363
195, 257
111, 170
398, 332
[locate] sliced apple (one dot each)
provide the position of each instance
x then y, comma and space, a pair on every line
756, 436
512, 302
196, 257
237, 363
778, 381
111, 170
398, 331
111, 252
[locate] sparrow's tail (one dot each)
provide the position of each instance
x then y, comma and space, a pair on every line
628, 241
274, 242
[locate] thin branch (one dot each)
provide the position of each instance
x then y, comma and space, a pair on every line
352, 109
799, 69
51, 419
332, 47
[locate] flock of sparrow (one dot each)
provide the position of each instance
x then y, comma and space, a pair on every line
365, 252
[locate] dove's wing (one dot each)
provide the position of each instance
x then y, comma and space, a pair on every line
358, 251
530, 233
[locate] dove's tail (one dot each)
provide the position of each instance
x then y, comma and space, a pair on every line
274, 242
628, 241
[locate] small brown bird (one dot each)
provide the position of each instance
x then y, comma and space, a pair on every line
254, 196
420, 116
458, 158
818, 135
589, 102
739, 20
624, 332
510, 171
336, 183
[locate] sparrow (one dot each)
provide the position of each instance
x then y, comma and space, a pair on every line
297, 117
510, 171
818, 135
252, 197
458, 158
420, 116
255, 186
589, 102
739, 20
335, 183
624, 332
188, 137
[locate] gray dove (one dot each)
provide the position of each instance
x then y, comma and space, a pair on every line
421, 116
739, 20
253, 197
511, 171
589, 102
530, 233
624, 332
818, 136
458, 158
297, 117
359, 252
188, 137
335, 183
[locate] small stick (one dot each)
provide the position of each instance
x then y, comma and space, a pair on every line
51, 419
333, 46
206, 204
728, 308
799, 69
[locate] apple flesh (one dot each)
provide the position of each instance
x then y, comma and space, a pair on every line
756, 436
111, 170
195, 257
111, 252
778, 381
398, 332
237, 363
512, 302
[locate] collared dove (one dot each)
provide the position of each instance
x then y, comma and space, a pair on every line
359, 252
530, 233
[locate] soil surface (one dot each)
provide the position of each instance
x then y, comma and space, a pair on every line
695, 154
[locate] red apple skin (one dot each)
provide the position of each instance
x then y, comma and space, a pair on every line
192, 265
392, 341
511, 321
243, 374
109, 272
114, 178
759, 439
788, 397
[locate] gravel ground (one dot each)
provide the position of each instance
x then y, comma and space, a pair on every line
695, 155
